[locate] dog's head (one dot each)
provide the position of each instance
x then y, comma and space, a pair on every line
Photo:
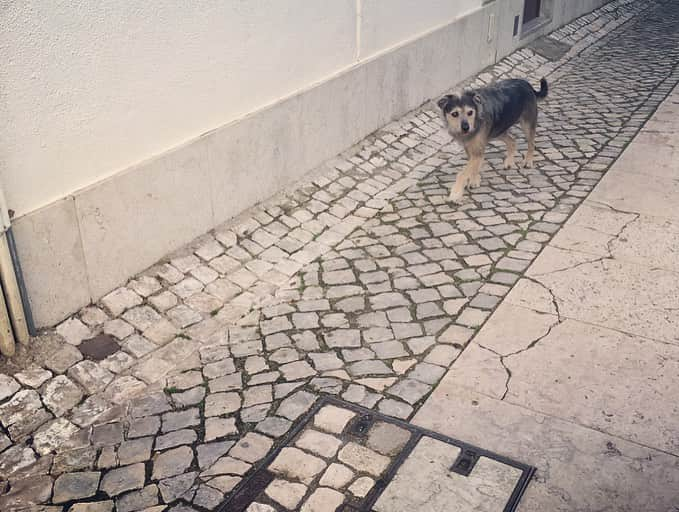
460, 113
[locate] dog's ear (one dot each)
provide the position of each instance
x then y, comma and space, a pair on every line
443, 101
478, 101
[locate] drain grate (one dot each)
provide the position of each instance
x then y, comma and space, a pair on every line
343, 457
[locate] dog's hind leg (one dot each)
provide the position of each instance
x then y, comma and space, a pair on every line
511, 150
529, 121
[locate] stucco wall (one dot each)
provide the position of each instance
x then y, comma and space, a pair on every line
386, 23
90, 88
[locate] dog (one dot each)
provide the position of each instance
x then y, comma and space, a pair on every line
475, 117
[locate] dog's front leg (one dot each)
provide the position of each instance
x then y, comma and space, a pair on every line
475, 172
470, 174
457, 191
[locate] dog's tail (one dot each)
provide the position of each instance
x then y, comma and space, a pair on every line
544, 89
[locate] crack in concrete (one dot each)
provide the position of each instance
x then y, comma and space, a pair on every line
551, 294
613, 238
532, 344
528, 347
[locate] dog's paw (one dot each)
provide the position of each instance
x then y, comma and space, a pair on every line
475, 182
528, 164
510, 163
456, 196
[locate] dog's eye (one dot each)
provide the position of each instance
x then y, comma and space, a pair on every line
455, 114
470, 113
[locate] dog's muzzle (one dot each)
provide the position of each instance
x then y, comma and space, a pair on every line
465, 126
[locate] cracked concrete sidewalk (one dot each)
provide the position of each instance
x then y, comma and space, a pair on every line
576, 372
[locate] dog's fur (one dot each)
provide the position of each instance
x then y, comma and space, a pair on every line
475, 117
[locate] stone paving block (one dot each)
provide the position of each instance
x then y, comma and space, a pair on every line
138, 500
107, 458
90, 376
172, 462
137, 450
143, 427
151, 404
427, 373
68, 461
409, 390
53, 435
32, 377
28, 492
362, 486
119, 480
363, 459
208, 453
274, 426
227, 465
260, 507
94, 409
297, 370
295, 464
8, 386
23, 414
208, 497
174, 487
108, 434
387, 438
288, 494
343, 338
179, 420
336, 476
73, 486
219, 427
97, 506
318, 443
323, 499
218, 404
251, 448
62, 359
120, 300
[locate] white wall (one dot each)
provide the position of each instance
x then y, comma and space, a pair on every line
89, 88
386, 23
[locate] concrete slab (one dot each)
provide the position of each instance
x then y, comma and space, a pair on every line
425, 482
578, 468
614, 294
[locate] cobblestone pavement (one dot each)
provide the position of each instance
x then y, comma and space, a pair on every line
362, 282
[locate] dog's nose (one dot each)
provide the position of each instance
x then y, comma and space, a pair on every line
465, 126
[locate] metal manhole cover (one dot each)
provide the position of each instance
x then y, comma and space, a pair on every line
342, 457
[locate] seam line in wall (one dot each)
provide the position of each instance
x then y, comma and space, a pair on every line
359, 16
81, 243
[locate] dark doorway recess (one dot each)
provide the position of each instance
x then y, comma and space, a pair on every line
531, 10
